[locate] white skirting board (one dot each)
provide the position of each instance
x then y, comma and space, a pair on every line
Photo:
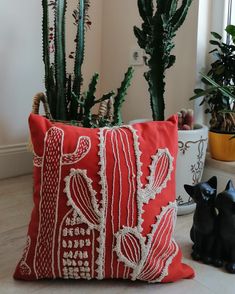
15, 160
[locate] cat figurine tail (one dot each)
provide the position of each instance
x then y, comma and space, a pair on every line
225, 203
203, 230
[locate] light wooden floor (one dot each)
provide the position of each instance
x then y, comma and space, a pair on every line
15, 209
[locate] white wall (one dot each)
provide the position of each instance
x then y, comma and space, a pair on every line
21, 76
22, 73
119, 17
21, 70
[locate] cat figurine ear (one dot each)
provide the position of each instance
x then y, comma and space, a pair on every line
213, 182
230, 186
190, 190
229, 192
226, 226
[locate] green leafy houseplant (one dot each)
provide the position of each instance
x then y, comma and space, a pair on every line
219, 94
63, 89
156, 37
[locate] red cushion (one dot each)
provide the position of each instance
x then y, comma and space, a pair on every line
104, 203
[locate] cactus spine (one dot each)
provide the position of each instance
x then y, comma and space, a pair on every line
156, 38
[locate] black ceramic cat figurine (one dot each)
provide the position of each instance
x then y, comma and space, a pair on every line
225, 203
203, 230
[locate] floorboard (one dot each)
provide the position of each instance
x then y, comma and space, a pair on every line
15, 209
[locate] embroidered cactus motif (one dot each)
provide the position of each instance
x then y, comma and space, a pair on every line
78, 196
76, 249
152, 254
118, 216
24, 268
51, 163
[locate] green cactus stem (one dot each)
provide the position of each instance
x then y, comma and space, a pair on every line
156, 38
90, 101
60, 59
64, 89
49, 75
120, 97
45, 40
79, 57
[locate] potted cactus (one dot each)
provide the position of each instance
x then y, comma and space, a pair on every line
192, 142
156, 38
219, 96
64, 90
161, 20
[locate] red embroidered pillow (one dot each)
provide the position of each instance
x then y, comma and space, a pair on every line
104, 203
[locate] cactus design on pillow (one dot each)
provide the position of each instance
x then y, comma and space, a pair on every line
103, 204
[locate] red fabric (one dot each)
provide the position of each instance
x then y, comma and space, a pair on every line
104, 203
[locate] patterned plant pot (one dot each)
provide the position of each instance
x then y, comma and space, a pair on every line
190, 164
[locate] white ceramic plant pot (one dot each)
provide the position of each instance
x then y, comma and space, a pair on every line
190, 164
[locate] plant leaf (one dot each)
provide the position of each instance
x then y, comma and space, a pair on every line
216, 35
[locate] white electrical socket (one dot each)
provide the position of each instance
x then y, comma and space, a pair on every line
136, 56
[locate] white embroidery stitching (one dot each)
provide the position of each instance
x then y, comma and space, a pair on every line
52, 161
82, 197
143, 270
158, 177
24, 268
91, 214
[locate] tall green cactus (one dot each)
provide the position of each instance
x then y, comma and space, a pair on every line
64, 89
60, 59
79, 58
49, 77
120, 97
156, 38
46, 54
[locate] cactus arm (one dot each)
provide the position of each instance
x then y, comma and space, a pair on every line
60, 59
156, 74
83, 147
151, 40
141, 37
180, 15
120, 97
171, 7
49, 68
160, 173
145, 8
90, 101
105, 97
89, 214
52, 101
79, 57
45, 40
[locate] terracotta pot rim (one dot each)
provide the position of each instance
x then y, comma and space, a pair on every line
221, 133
